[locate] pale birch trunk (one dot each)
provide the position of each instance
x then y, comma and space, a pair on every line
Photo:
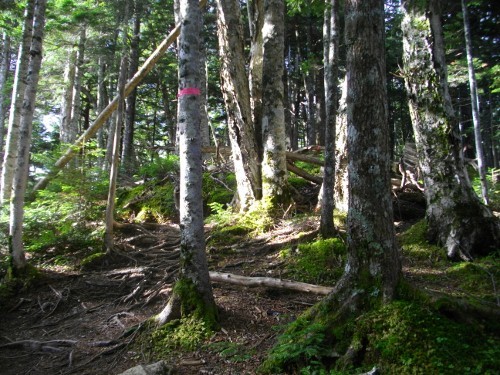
274, 173
475, 106
16, 247
455, 217
4, 71
341, 189
11, 150
192, 294
236, 93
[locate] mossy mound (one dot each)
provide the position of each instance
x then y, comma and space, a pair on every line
402, 337
319, 262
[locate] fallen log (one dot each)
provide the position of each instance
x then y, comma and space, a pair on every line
269, 282
305, 175
294, 156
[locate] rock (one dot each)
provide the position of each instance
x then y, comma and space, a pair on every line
158, 368
373, 371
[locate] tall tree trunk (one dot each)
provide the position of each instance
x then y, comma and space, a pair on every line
192, 293
331, 57
115, 159
11, 150
234, 83
341, 189
256, 23
373, 267
128, 132
67, 99
4, 71
456, 218
102, 102
76, 111
16, 247
475, 105
274, 173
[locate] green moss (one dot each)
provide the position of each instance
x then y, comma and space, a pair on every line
228, 235
319, 262
231, 351
401, 337
414, 243
92, 260
475, 280
192, 303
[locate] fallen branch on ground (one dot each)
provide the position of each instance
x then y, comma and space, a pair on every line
269, 282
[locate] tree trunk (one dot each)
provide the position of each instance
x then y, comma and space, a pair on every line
4, 71
11, 150
76, 109
115, 158
475, 106
373, 267
67, 99
16, 247
192, 294
456, 218
331, 57
274, 173
128, 132
234, 84
341, 189
256, 23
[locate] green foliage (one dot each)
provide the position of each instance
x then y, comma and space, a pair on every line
320, 262
218, 189
160, 167
493, 188
228, 235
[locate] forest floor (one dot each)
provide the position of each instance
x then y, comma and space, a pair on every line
73, 319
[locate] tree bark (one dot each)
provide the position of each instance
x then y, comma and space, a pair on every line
128, 131
456, 218
16, 247
475, 106
11, 151
193, 291
341, 189
331, 56
76, 108
4, 71
117, 135
67, 99
236, 92
274, 173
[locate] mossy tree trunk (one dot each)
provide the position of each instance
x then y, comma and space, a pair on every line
456, 218
373, 268
274, 173
236, 91
192, 293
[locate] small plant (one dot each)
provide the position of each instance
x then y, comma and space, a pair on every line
231, 351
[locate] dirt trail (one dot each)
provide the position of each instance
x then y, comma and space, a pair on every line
72, 322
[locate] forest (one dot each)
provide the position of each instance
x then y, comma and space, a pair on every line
249, 187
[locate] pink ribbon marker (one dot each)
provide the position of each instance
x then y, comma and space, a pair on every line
189, 91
